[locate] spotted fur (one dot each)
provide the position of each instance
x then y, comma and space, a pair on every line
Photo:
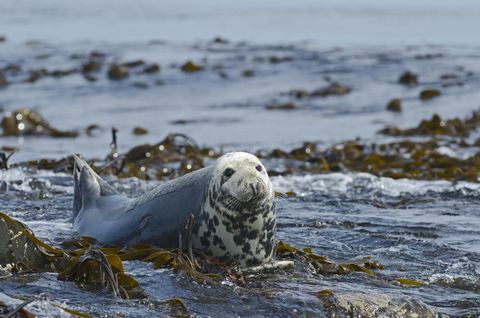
238, 222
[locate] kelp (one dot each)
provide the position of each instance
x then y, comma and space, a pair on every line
322, 265
21, 249
436, 126
27, 122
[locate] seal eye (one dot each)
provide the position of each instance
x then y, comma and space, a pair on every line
228, 172
259, 168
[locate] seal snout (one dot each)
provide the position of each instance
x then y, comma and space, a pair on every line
257, 190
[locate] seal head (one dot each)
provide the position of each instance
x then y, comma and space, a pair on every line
238, 219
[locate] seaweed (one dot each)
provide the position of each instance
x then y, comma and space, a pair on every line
395, 105
27, 122
333, 89
190, 67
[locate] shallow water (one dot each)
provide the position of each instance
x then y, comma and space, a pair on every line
427, 231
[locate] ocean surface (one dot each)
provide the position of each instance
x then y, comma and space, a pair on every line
424, 230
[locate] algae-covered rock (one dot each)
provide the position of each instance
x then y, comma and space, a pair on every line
374, 305
408, 78
395, 105
190, 67
26, 122
117, 72
430, 93
17, 249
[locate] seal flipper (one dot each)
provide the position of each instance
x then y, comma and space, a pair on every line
88, 185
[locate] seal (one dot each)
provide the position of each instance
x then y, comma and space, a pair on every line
232, 201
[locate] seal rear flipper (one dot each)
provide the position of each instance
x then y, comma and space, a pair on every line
88, 185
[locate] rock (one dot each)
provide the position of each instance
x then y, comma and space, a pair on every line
17, 249
190, 67
408, 78
151, 69
91, 66
395, 105
374, 306
430, 93
26, 122
282, 106
332, 89
248, 73
117, 72
3, 38
139, 131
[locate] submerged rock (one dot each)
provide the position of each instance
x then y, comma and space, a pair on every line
429, 93
139, 131
117, 72
330, 90
395, 105
151, 69
190, 67
408, 78
375, 306
91, 66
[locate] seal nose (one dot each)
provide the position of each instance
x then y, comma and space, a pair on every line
254, 188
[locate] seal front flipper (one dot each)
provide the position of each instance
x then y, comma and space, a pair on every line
88, 186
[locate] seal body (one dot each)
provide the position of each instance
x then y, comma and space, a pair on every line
232, 202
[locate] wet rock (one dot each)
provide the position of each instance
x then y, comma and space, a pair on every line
91, 66
19, 250
151, 69
26, 122
190, 67
330, 90
438, 126
282, 106
139, 131
248, 73
430, 93
395, 105
408, 78
117, 72
375, 306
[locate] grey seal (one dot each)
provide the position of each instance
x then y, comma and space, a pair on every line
232, 201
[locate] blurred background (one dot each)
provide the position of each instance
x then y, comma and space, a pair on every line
251, 53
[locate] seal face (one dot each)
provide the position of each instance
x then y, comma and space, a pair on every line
238, 222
